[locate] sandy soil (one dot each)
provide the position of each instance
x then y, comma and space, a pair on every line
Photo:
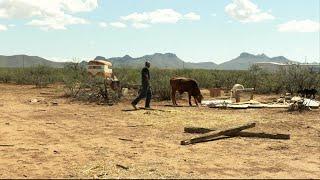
78, 140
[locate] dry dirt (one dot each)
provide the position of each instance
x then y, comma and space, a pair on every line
78, 140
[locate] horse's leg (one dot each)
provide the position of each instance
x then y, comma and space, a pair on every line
173, 97
189, 99
195, 100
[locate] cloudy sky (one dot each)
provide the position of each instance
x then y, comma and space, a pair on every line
196, 30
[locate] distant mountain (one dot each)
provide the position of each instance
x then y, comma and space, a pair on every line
27, 61
246, 60
168, 60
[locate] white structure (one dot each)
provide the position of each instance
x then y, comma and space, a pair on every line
100, 68
273, 66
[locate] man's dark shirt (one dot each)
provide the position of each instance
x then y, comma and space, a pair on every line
145, 76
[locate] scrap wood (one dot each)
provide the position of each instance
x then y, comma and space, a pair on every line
123, 167
200, 130
6, 145
142, 125
264, 135
224, 132
197, 130
123, 139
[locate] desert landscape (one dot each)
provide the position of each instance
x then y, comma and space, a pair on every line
45, 135
234, 87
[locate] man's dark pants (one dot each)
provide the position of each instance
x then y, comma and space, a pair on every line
145, 92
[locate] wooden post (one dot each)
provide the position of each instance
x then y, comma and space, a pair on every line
209, 136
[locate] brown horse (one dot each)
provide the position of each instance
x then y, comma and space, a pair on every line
188, 85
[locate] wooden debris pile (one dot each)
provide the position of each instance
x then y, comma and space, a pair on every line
213, 134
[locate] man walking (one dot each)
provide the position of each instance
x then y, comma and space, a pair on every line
145, 91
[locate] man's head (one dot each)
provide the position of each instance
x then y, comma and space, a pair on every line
147, 64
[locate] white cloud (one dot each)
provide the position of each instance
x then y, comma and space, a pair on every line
140, 25
75, 6
3, 27
12, 25
160, 16
300, 26
45, 12
192, 16
118, 25
103, 24
214, 14
57, 23
245, 11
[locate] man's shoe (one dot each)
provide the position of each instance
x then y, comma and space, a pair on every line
148, 108
134, 106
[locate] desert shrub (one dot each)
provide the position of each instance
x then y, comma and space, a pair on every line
78, 84
40, 76
75, 80
5, 76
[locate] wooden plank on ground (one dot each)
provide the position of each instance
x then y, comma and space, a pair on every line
211, 135
263, 135
197, 130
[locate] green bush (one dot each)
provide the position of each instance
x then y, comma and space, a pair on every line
77, 82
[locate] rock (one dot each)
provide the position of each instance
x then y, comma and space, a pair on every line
34, 100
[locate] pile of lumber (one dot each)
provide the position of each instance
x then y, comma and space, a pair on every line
213, 134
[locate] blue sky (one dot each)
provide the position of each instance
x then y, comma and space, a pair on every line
196, 30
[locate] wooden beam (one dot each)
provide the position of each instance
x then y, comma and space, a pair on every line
199, 130
264, 135
211, 135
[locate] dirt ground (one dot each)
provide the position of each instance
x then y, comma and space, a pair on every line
57, 138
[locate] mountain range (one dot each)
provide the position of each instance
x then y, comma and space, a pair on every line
167, 60
17, 61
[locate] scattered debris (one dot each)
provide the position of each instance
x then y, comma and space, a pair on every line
50, 123
102, 174
147, 125
7, 123
197, 130
303, 105
264, 135
277, 148
123, 167
211, 135
34, 100
56, 152
232, 132
6, 145
311, 103
123, 139
288, 103
54, 103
